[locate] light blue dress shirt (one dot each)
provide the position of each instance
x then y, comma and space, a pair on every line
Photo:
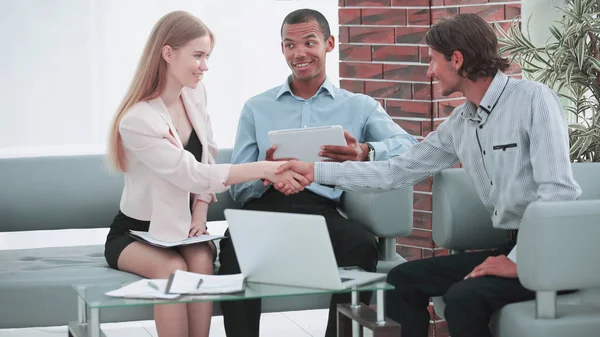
278, 108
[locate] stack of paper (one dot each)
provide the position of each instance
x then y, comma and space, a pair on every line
144, 288
183, 282
145, 237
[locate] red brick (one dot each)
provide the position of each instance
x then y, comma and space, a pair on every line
503, 25
419, 16
396, 53
421, 220
422, 201
353, 86
501, 0
438, 95
511, 11
403, 72
418, 238
409, 253
424, 185
341, 3
367, 3
388, 89
410, 3
352, 52
441, 329
411, 34
361, 70
489, 13
381, 102
441, 252
409, 109
440, 13
437, 3
371, 34
421, 91
343, 36
377, 16
445, 108
424, 54
349, 16
463, 2
412, 127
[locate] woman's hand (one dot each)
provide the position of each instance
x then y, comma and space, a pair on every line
199, 213
197, 228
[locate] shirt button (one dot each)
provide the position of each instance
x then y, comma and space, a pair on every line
481, 126
492, 183
495, 212
484, 152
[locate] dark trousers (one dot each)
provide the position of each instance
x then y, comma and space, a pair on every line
469, 303
352, 246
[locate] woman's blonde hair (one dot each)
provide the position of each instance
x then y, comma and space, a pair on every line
174, 29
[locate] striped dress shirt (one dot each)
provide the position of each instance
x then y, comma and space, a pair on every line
514, 146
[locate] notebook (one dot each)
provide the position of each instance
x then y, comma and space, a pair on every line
145, 237
183, 282
144, 288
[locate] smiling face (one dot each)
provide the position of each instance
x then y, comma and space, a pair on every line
444, 71
188, 63
305, 47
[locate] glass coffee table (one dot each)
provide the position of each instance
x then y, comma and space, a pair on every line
92, 299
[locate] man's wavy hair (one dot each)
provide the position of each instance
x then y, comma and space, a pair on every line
475, 39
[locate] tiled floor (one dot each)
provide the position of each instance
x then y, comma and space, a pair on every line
288, 324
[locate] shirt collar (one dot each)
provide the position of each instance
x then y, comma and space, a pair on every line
495, 90
327, 86
490, 98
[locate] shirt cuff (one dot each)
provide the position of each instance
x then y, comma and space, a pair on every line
325, 173
381, 150
219, 174
513, 254
208, 198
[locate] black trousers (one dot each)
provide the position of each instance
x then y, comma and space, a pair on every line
469, 303
352, 245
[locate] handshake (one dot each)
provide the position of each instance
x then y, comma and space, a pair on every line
289, 177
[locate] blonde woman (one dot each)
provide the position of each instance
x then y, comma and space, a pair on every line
162, 141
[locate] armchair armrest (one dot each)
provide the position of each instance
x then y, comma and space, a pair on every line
459, 219
558, 245
385, 214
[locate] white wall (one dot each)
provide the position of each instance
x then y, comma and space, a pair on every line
67, 63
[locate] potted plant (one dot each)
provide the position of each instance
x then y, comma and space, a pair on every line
570, 64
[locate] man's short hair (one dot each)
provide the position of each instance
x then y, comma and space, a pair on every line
474, 38
307, 15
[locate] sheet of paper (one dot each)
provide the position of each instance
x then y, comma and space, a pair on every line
197, 239
144, 289
184, 282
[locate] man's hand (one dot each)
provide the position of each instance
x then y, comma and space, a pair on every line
500, 266
354, 151
269, 156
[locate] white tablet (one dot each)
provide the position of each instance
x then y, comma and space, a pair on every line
305, 143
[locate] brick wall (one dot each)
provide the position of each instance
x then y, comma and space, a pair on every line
383, 54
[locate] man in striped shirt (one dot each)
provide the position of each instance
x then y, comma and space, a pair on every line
512, 140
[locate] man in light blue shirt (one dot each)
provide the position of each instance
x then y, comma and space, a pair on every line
309, 99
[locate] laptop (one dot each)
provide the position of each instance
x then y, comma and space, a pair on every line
289, 249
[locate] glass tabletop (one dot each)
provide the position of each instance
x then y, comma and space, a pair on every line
94, 294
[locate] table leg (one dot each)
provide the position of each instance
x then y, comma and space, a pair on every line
94, 323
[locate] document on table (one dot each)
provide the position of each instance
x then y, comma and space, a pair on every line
183, 282
145, 237
144, 288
